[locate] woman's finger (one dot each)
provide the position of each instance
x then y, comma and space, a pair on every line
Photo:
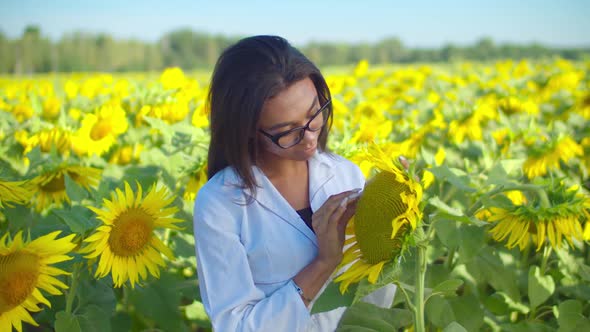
334, 201
338, 213
405, 163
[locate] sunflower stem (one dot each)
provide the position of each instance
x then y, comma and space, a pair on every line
450, 257
525, 256
406, 296
73, 287
546, 254
419, 291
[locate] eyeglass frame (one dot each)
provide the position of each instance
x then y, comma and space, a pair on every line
275, 138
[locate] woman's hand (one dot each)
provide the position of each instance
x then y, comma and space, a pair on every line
329, 223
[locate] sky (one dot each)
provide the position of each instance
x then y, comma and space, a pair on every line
417, 23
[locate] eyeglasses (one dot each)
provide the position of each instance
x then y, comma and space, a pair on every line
293, 136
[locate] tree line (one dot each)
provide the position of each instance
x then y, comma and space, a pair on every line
79, 52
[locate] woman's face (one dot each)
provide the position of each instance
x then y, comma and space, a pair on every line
293, 107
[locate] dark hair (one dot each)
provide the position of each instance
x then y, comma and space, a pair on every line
247, 74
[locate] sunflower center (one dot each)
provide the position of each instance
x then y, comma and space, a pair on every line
56, 184
380, 204
131, 232
18, 277
101, 129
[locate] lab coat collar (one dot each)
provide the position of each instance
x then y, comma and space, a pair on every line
320, 173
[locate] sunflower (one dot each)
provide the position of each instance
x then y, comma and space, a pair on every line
548, 156
126, 242
14, 192
45, 139
197, 178
25, 270
100, 131
127, 154
50, 186
535, 222
387, 214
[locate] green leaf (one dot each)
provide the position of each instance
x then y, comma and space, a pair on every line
496, 304
468, 311
78, 218
74, 191
472, 241
159, 301
164, 128
183, 245
93, 319
511, 304
494, 271
584, 272
448, 287
196, 312
454, 327
437, 202
121, 322
499, 174
570, 317
526, 327
65, 322
390, 273
367, 317
448, 233
540, 287
145, 175
331, 298
96, 292
454, 176
439, 312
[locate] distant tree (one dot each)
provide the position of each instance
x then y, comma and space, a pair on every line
79, 51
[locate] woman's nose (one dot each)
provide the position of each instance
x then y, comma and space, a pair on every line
310, 136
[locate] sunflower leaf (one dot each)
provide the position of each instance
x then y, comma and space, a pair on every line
454, 327
540, 287
468, 311
439, 311
73, 190
79, 219
451, 213
368, 317
93, 319
571, 318
447, 287
66, 322
391, 272
331, 298
454, 176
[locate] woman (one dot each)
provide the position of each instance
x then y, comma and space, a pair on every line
269, 224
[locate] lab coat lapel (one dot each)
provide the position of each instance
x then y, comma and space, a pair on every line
320, 175
268, 196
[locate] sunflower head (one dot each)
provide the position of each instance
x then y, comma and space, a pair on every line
560, 218
381, 205
50, 186
127, 242
26, 270
386, 215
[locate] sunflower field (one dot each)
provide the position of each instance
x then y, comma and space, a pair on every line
99, 173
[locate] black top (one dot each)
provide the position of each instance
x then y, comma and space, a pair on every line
306, 216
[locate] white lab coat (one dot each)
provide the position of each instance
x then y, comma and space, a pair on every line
247, 255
